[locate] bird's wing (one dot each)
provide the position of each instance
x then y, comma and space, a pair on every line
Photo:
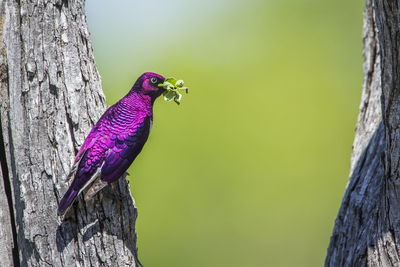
126, 147
93, 151
95, 133
106, 154
120, 157
92, 160
87, 163
85, 170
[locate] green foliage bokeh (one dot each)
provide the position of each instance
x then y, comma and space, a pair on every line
250, 169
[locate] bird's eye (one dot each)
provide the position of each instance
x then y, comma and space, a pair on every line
153, 80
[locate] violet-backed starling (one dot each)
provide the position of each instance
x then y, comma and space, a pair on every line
115, 140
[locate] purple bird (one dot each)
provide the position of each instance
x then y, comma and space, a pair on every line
115, 140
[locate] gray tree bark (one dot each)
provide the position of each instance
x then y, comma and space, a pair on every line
50, 97
367, 228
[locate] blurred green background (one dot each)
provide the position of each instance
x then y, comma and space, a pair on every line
250, 170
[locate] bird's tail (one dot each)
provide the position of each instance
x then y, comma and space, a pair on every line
66, 201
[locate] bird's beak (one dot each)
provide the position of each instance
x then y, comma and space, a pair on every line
166, 85
161, 87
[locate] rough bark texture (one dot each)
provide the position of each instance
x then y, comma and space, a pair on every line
367, 229
6, 238
51, 96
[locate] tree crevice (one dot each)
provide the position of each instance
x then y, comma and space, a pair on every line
9, 196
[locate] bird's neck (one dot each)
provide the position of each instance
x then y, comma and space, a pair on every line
137, 101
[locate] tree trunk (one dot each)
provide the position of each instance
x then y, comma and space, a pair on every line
367, 229
51, 96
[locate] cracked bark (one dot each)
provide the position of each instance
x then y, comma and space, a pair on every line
367, 228
51, 96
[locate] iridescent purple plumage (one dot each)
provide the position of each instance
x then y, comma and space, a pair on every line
116, 139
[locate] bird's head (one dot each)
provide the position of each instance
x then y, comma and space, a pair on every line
150, 84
